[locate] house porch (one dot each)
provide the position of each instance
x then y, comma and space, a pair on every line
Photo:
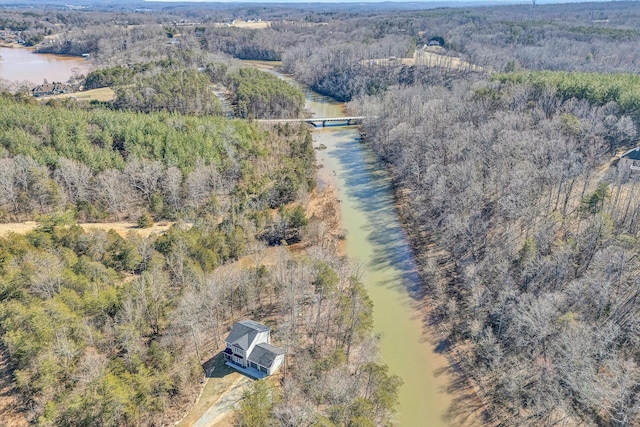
253, 373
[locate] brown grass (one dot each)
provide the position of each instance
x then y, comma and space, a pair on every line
254, 25
122, 228
104, 94
430, 58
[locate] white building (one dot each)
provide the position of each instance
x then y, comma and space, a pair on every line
249, 349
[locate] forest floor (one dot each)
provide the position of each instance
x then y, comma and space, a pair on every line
11, 413
122, 228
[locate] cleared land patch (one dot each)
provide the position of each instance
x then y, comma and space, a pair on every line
254, 25
104, 94
430, 58
122, 228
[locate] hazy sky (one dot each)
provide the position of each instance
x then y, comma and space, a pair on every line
451, 3
360, 1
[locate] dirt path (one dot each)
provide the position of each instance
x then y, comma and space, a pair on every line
122, 228
225, 404
210, 405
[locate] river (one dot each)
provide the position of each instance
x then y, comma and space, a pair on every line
376, 239
21, 64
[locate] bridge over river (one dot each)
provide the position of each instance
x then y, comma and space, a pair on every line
320, 121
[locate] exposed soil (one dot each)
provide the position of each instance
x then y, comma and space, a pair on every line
219, 379
122, 228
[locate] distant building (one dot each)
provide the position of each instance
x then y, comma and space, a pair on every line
249, 349
51, 89
630, 160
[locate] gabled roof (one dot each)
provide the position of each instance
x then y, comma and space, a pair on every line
244, 332
265, 354
633, 154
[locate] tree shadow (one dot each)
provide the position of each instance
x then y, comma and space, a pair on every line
369, 186
216, 368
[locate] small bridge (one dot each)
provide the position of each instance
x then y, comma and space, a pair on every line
320, 121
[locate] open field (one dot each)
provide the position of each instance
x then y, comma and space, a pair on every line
430, 58
253, 25
433, 59
104, 94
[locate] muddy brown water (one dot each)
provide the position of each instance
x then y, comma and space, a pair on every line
20, 64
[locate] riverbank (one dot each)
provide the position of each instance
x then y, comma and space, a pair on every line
376, 241
468, 403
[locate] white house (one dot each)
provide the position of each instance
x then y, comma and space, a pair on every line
249, 349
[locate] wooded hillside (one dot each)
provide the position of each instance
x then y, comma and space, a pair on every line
503, 148
109, 164
527, 240
106, 330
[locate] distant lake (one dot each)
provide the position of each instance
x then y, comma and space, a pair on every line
20, 64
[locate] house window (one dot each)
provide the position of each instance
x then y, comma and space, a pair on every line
238, 350
263, 369
253, 365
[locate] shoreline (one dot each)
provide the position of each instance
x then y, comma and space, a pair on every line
426, 305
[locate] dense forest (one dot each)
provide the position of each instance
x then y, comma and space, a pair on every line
257, 94
106, 330
110, 330
501, 127
527, 244
173, 86
109, 164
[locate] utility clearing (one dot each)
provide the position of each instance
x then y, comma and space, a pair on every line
122, 228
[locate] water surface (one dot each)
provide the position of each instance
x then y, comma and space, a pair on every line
21, 64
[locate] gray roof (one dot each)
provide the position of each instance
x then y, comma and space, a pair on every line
264, 354
633, 154
244, 332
